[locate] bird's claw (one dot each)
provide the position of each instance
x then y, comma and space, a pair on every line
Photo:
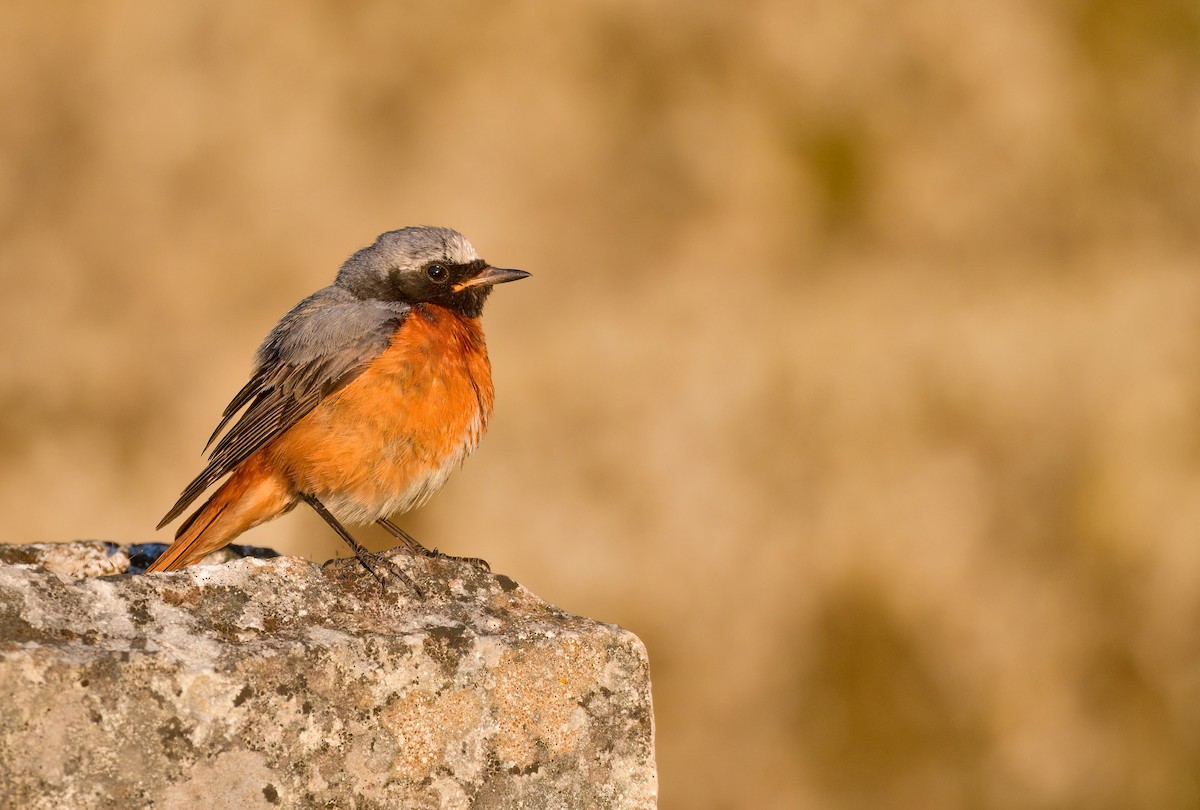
414, 546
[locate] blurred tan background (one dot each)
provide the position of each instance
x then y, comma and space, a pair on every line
859, 373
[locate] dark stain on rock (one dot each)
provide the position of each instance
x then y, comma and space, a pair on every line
242, 696
181, 597
102, 670
532, 768
175, 737
289, 689
221, 611
139, 613
640, 719
16, 629
20, 555
506, 584
271, 794
447, 645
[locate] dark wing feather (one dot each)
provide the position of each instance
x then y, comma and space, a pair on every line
326, 341
248, 392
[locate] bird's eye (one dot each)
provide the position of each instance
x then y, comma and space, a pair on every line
437, 272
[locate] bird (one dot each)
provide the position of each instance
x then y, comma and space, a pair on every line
362, 400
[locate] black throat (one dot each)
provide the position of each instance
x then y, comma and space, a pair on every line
469, 302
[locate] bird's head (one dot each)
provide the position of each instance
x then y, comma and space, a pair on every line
424, 265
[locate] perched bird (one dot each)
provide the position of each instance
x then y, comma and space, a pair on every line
363, 399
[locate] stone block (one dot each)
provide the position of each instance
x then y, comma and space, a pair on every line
279, 683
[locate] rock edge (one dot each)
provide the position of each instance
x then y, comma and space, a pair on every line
279, 683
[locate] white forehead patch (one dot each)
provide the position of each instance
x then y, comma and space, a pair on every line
426, 244
458, 249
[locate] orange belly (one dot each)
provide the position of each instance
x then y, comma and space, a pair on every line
390, 439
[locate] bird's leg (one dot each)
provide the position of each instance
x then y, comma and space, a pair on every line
360, 553
415, 547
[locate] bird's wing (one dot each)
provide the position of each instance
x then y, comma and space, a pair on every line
326, 341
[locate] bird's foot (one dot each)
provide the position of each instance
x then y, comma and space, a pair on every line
382, 569
369, 560
414, 546
478, 562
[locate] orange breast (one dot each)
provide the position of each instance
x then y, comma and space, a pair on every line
389, 439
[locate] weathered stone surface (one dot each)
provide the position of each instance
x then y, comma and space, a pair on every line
276, 683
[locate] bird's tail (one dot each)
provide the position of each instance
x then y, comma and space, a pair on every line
249, 497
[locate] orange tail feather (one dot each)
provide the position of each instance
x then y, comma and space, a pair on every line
249, 497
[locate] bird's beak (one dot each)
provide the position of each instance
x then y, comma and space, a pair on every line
490, 276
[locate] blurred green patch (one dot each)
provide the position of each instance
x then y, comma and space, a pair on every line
878, 711
835, 159
1117, 34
